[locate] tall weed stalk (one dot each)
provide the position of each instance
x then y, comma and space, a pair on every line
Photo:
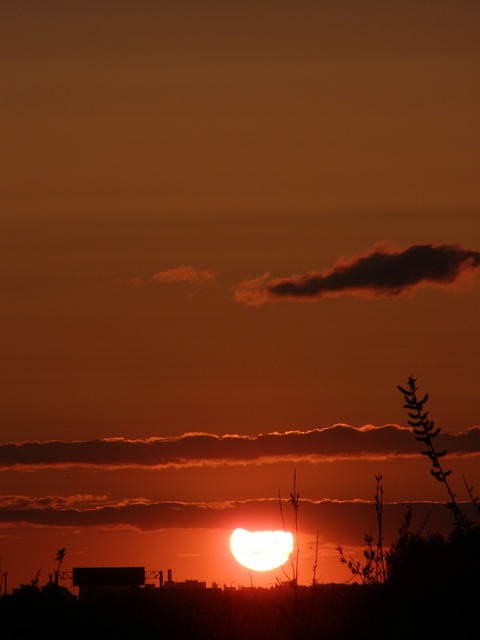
373, 569
425, 432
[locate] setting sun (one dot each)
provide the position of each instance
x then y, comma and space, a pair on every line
261, 550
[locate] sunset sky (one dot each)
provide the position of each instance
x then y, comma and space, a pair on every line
228, 231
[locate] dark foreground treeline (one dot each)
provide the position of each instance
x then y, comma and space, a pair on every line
418, 608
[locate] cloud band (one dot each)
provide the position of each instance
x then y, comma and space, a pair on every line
209, 449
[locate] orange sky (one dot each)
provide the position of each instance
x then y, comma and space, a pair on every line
158, 160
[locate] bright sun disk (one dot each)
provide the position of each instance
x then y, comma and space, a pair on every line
261, 550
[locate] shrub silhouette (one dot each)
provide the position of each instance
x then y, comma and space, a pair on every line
415, 561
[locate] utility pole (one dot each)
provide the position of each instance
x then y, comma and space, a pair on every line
5, 576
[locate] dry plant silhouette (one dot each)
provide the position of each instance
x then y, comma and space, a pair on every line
373, 569
425, 432
295, 502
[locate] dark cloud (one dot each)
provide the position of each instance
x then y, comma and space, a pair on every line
24, 502
208, 449
380, 272
340, 522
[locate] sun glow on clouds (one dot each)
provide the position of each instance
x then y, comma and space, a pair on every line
191, 450
170, 483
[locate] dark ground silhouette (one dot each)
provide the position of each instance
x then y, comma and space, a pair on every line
413, 608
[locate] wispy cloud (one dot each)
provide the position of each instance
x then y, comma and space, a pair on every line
381, 272
181, 274
201, 449
185, 274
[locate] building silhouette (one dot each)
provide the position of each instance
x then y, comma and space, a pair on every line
95, 582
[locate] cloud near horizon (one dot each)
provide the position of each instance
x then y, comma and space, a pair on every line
381, 272
181, 274
203, 449
340, 520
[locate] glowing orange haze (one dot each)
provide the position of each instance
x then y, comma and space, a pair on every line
160, 162
185, 515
